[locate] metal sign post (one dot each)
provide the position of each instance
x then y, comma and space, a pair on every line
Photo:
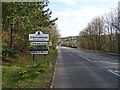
39, 44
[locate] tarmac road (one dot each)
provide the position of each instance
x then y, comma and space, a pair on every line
85, 69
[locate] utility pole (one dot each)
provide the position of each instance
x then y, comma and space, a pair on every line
117, 25
119, 28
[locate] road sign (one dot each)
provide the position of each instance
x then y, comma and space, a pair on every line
39, 46
39, 43
39, 36
39, 52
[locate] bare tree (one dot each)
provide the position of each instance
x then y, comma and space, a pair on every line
100, 34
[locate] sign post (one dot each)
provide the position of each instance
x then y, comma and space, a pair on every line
45, 59
39, 44
34, 59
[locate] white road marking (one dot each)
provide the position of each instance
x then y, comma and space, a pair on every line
85, 58
114, 72
95, 61
95, 55
106, 62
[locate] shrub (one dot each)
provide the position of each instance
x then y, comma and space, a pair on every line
9, 55
42, 70
25, 74
35, 74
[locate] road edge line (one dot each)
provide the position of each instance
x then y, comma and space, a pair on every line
53, 78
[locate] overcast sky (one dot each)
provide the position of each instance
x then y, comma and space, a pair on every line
74, 15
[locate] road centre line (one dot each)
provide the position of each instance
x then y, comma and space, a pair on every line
96, 61
94, 55
82, 56
85, 58
114, 72
106, 62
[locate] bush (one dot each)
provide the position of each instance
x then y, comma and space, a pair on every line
35, 74
9, 55
22, 75
42, 70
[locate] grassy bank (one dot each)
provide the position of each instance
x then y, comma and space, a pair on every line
22, 74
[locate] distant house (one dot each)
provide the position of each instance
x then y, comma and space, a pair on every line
70, 41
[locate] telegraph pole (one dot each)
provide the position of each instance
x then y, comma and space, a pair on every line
119, 15
119, 28
117, 25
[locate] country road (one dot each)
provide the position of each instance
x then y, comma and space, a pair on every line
85, 69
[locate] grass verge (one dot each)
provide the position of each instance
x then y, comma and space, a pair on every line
22, 74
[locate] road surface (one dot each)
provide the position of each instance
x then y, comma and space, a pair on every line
85, 69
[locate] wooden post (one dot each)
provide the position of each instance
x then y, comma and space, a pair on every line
33, 60
45, 59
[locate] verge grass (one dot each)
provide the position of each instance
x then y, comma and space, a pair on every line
22, 74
